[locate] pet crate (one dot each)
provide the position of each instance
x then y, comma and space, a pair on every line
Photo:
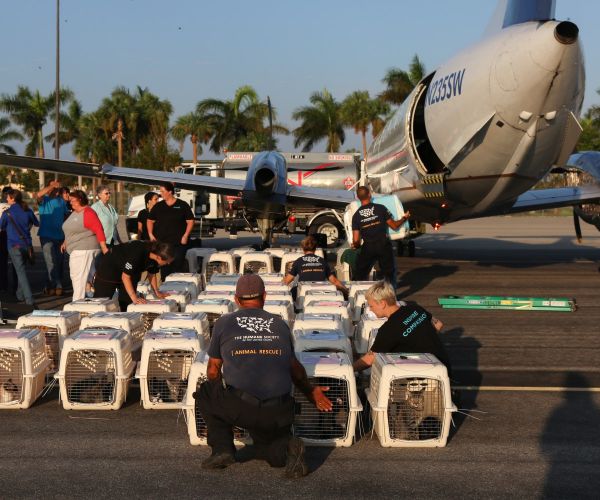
272, 278
144, 288
276, 288
213, 308
88, 306
197, 259
95, 369
221, 287
152, 309
196, 426
358, 286
287, 296
314, 321
197, 321
410, 400
238, 253
224, 279
358, 302
337, 427
179, 291
363, 332
219, 262
332, 307
131, 322
315, 287
256, 263
287, 261
319, 295
216, 294
194, 278
281, 308
322, 340
24, 364
167, 356
56, 326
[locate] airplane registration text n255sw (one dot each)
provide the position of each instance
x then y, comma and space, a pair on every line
471, 140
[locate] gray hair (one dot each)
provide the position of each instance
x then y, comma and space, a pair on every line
101, 188
382, 290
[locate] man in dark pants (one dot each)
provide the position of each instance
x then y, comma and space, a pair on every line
250, 372
4, 246
370, 222
171, 221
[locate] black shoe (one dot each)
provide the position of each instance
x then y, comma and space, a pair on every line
218, 461
295, 467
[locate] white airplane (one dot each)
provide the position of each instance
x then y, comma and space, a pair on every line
471, 140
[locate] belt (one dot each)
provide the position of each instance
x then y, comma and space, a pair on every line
254, 401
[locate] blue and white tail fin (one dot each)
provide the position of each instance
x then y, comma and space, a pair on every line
511, 12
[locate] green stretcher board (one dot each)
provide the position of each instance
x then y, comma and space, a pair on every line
512, 303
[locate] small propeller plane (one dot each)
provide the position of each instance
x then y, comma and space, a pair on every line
471, 140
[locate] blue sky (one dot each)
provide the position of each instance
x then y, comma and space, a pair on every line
188, 50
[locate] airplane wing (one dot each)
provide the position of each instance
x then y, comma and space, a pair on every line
539, 199
319, 197
47, 165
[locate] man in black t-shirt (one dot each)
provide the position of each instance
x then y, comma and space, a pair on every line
370, 222
120, 269
409, 328
251, 368
311, 267
171, 221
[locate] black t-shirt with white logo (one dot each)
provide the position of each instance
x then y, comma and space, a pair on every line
256, 349
410, 330
170, 222
311, 267
371, 221
132, 258
143, 218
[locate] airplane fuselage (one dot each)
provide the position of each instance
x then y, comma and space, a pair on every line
484, 127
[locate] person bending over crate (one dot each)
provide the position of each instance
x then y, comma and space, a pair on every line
409, 328
251, 368
121, 269
311, 267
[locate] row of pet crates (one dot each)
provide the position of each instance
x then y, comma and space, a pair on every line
409, 394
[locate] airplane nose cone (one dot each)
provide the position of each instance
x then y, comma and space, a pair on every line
566, 32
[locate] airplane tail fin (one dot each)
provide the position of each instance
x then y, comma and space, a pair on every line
511, 12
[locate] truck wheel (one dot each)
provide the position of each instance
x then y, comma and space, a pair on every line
331, 228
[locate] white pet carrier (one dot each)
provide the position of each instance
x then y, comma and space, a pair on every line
196, 425
214, 308
335, 428
179, 291
194, 278
197, 321
410, 400
357, 304
324, 286
167, 356
322, 340
144, 288
131, 322
277, 254
216, 294
283, 309
95, 369
287, 261
319, 295
314, 321
56, 326
272, 278
287, 296
24, 364
256, 263
363, 332
373, 336
152, 309
85, 307
224, 279
276, 288
332, 307
197, 258
358, 286
219, 262
221, 287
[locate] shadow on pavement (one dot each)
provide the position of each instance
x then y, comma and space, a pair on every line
419, 278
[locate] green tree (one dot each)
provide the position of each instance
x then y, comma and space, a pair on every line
8, 134
322, 120
360, 111
589, 140
239, 124
30, 111
400, 83
197, 129
69, 124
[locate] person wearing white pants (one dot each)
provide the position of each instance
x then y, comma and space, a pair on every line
84, 238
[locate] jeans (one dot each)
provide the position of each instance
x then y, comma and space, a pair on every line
18, 260
54, 262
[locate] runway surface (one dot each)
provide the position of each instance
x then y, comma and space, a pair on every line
530, 380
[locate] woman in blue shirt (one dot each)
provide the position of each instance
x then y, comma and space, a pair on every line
17, 221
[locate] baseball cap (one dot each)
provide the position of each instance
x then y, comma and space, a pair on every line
249, 286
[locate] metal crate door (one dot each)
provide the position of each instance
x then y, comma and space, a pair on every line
218, 267
148, 318
52, 345
167, 377
11, 376
90, 376
255, 267
415, 410
311, 423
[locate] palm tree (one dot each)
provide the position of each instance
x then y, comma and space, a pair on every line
30, 111
198, 130
239, 123
400, 83
115, 112
322, 120
8, 134
69, 124
360, 111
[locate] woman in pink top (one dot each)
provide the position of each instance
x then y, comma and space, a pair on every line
84, 238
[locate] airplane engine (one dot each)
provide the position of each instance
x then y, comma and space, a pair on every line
584, 169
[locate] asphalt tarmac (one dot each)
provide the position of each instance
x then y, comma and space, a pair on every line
529, 383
